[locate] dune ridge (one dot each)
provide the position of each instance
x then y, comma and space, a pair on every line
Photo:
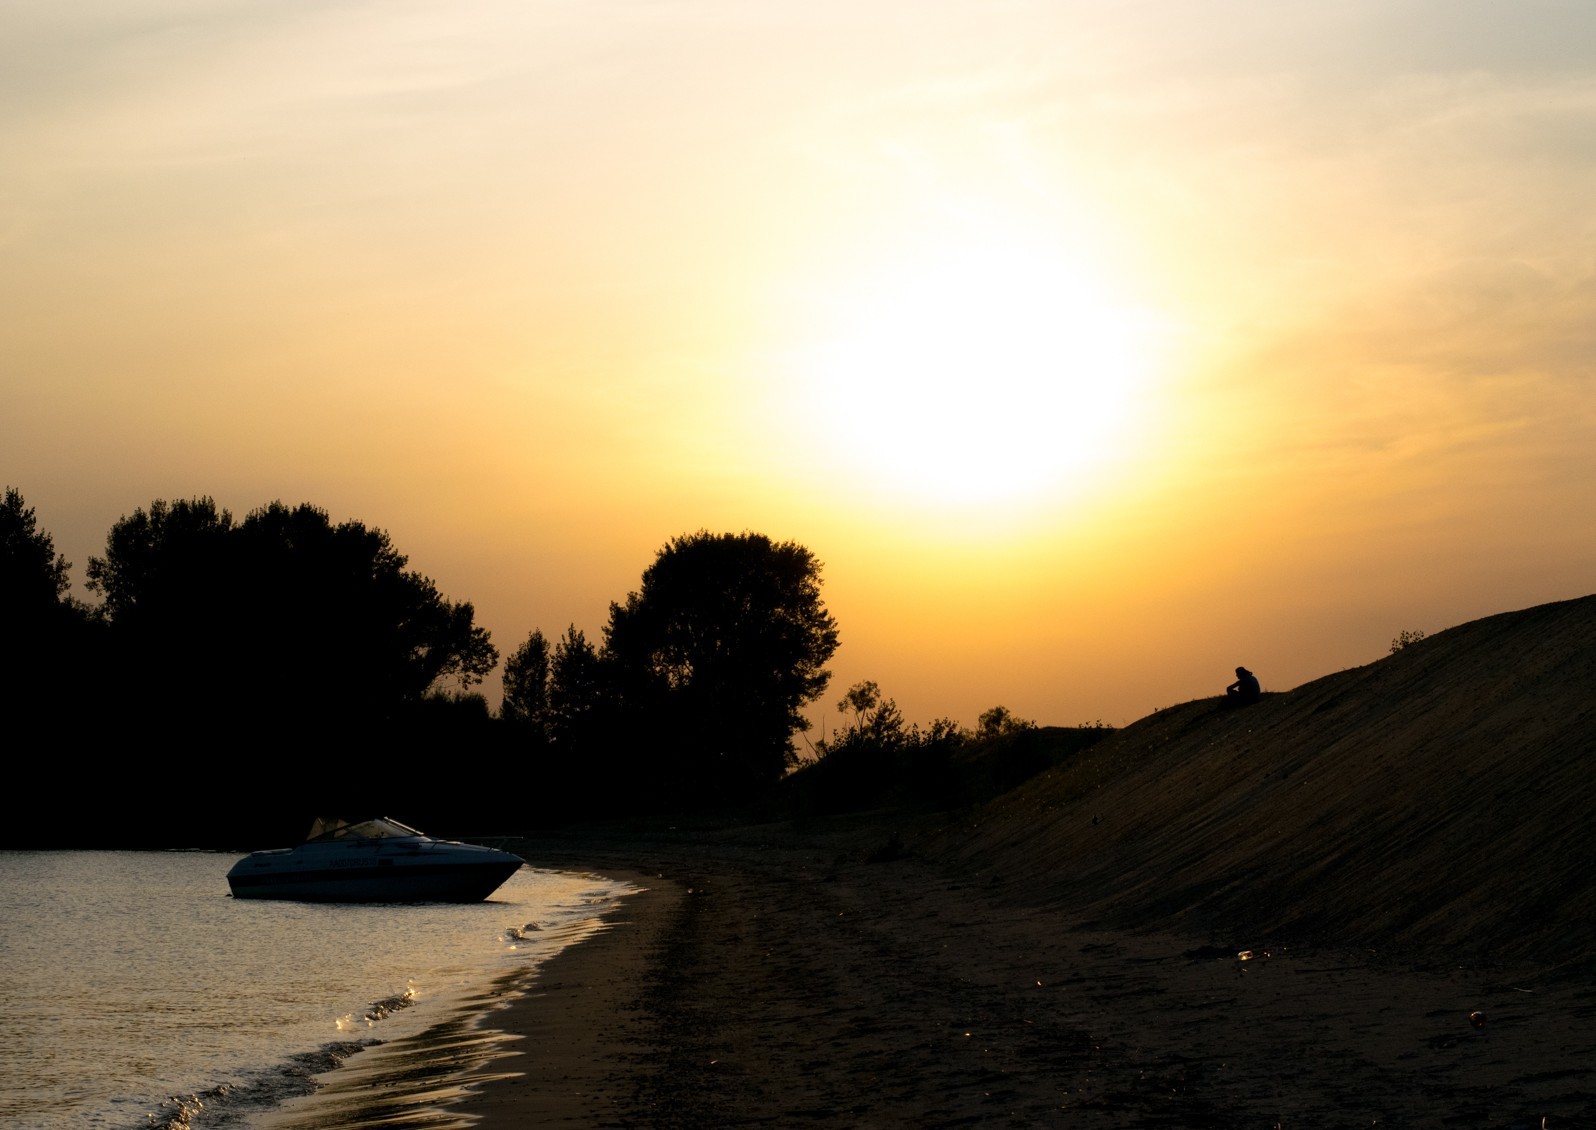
1442, 796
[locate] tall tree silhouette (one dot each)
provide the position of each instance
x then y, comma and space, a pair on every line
578, 698
526, 687
714, 656
33, 577
45, 637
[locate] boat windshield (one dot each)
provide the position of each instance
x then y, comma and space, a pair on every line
382, 828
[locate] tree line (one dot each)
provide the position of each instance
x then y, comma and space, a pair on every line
238, 676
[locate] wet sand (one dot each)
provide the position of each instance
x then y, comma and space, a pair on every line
482, 1048
771, 978
580, 1025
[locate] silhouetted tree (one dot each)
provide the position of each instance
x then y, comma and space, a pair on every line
998, 721
576, 695
49, 662
714, 657
285, 625
526, 687
287, 640
381, 635
872, 720
877, 757
46, 638
33, 577
158, 562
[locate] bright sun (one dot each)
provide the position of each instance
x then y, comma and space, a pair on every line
979, 373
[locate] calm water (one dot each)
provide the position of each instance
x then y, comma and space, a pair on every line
135, 992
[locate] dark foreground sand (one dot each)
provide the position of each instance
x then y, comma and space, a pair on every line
768, 978
1393, 847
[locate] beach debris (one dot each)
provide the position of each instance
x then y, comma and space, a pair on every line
1477, 1019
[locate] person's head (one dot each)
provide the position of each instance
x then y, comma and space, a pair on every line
1242, 671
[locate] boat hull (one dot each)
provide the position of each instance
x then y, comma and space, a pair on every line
451, 882
390, 869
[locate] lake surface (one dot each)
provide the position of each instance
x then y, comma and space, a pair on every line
135, 992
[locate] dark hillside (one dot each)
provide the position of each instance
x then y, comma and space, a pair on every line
1445, 795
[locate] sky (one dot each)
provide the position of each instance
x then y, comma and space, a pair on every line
1094, 347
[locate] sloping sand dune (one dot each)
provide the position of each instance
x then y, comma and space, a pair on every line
1445, 796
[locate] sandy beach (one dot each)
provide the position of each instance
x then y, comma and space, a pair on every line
1365, 902
770, 977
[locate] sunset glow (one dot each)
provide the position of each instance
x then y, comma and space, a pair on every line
978, 373
1094, 349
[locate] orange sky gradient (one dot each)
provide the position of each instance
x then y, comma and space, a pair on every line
1094, 348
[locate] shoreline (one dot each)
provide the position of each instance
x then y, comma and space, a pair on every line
476, 1060
577, 1022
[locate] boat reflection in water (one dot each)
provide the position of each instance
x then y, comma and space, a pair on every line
377, 860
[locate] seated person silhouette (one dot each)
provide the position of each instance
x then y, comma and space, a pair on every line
1245, 690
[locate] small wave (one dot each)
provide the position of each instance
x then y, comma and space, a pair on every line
232, 1104
379, 1010
179, 1111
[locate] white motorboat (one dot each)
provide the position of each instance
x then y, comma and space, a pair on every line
377, 860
